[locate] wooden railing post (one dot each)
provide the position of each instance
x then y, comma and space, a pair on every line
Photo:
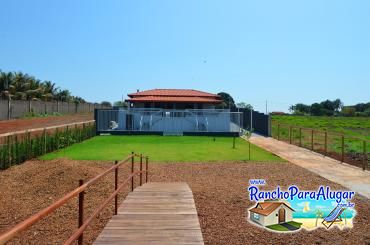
290, 135
81, 196
141, 169
300, 137
312, 140
146, 169
364, 160
132, 171
342, 159
115, 188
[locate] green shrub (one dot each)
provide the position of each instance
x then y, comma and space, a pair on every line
18, 149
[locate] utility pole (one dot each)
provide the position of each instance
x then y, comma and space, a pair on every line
266, 107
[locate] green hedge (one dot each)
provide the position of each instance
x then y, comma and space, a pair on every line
19, 148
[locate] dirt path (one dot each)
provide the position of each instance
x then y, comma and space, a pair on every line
219, 191
346, 175
39, 122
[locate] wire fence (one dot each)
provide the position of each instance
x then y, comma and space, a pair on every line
345, 148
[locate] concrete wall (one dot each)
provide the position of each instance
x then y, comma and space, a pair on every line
19, 108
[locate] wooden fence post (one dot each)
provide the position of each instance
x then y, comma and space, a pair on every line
290, 135
141, 169
146, 169
364, 163
326, 143
115, 188
81, 196
311, 139
278, 132
342, 159
300, 137
132, 171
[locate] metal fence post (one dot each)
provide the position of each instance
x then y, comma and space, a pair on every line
342, 148
234, 142
300, 137
146, 169
115, 188
290, 135
132, 171
278, 132
81, 196
141, 169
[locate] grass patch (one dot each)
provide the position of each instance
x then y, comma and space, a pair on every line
163, 149
277, 227
295, 224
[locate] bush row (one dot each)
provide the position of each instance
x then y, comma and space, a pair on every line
19, 148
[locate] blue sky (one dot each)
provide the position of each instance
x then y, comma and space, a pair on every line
280, 51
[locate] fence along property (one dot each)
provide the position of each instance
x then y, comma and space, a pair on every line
80, 192
352, 150
11, 109
17, 147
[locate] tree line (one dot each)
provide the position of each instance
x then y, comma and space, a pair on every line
331, 108
22, 86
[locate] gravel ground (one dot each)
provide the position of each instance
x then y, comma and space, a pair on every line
7, 126
219, 191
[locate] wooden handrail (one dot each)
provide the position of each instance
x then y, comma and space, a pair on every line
6, 236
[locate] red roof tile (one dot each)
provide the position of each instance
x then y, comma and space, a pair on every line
188, 99
173, 93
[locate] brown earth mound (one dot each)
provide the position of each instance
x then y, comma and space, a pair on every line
219, 191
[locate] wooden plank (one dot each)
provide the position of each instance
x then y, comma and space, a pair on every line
155, 213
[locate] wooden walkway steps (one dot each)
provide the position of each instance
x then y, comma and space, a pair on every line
155, 213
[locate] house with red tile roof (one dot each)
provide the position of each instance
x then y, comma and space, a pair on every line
178, 99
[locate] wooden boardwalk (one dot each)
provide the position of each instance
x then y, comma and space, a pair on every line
155, 213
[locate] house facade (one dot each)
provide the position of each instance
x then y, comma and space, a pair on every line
271, 213
174, 99
170, 112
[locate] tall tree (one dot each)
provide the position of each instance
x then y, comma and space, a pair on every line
227, 100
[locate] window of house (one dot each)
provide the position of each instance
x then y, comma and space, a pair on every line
256, 216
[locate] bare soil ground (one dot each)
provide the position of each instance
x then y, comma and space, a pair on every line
219, 191
40, 122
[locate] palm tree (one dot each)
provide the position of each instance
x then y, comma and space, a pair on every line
21, 86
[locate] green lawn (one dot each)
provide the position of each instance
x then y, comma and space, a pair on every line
163, 149
279, 227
